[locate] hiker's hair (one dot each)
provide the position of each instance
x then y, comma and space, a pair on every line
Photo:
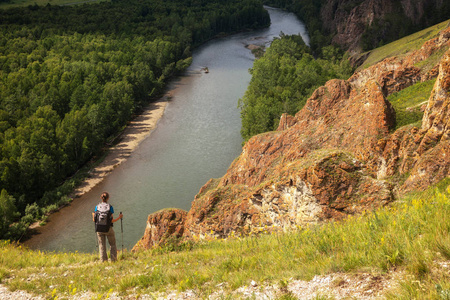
105, 196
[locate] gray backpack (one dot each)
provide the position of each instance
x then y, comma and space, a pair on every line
103, 217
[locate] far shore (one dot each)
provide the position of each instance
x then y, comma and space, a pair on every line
136, 131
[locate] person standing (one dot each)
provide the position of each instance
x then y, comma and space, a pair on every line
104, 219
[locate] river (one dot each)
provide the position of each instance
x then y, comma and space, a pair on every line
196, 139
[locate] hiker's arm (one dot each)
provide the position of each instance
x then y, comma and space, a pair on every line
93, 217
118, 218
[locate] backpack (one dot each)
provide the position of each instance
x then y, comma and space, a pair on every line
103, 217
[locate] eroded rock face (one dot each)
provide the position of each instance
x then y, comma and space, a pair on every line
432, 156
332, 159
349, 22
162, 226
327, 184
423, 153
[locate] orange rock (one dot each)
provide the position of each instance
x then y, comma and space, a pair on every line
330, 160
162, 227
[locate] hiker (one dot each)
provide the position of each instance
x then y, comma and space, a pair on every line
103, 218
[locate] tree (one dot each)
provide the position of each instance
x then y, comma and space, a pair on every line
8, 212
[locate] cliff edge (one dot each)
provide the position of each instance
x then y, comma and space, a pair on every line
338, 156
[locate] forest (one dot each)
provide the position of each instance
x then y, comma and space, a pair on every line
71, 77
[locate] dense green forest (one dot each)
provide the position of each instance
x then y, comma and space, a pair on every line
71, 77
283, 79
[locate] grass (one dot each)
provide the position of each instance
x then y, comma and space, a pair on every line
407, 102
412, 235
22, 3
432, 61
403, 45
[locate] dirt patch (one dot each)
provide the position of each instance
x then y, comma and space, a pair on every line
253, 47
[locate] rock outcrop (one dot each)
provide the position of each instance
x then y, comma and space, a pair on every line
424, 152
162, 227
349, 19
336, 157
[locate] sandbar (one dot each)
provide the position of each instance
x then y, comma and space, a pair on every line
136, 131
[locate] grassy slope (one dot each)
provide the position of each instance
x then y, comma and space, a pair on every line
413, 236
404, 45
407, 103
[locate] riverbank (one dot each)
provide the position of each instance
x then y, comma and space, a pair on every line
196, 139
136, 131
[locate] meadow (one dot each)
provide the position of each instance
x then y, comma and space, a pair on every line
410, 237
404, 45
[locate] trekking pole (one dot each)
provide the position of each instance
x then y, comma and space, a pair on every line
96, 236
121, 230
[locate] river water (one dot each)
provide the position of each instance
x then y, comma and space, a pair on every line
196, 139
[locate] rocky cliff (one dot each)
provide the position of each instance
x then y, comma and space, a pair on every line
337, 156
348, 20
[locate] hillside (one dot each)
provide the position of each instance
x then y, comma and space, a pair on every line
348, 198
366, 24
404, 46
397, 252
338, 156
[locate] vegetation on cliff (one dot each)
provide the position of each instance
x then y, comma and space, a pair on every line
401, 251
405, 45
283, 79
289, 71
408, 103
71, 77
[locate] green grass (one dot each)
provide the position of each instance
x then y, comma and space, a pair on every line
22, 3
412, 235
407, 103
403, 45
432, 61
